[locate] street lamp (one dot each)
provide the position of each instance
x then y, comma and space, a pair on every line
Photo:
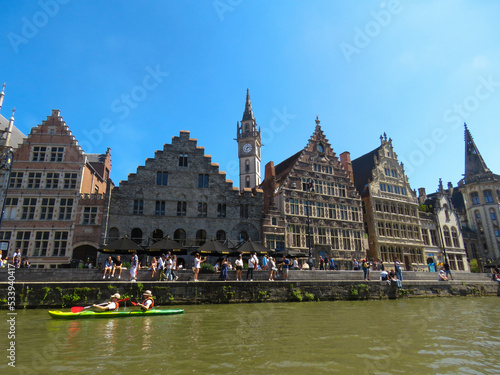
310, 189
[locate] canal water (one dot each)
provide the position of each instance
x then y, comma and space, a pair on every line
414, 336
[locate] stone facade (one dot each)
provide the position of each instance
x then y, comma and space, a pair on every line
480, 190
441, 230
390, 208
54, 205
312, 190
181, 193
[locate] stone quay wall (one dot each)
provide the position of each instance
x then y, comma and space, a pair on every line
302, 286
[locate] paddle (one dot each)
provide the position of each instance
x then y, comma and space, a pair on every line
77, 309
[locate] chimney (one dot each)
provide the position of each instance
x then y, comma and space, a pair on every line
422, 196
345, 160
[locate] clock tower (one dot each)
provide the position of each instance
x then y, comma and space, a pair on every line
248, 137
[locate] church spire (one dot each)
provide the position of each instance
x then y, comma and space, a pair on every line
2, 94
474, 163
248, 114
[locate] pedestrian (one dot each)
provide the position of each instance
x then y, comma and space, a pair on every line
16, 258
134, 263
108, 267
447, 270
286, 264
296, 264
272, 268
168, 267
154, 266
265, 262
366, 269
223, 269
239, 267
174, 267
355, 265
197, 265
332, 264
117, 265
252, 264
397, 267
161, 267
321, 263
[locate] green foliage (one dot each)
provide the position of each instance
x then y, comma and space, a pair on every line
207, 268
73, 297
309, 296
474, 266
354, 291
424, 208
140, 287
227, 292
403, 292
297, 295
263, 294
363, 288
47, 290
82, 290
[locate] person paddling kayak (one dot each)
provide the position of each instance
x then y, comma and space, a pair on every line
111, 306
148, 302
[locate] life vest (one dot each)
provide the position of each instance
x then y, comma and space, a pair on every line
117, 305
152, 302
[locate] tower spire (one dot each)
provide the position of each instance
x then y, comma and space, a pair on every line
248, 114
474, 163
2, 94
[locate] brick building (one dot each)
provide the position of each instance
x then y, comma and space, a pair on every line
56, 197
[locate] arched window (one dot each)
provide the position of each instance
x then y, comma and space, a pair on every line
136, 235
221, 235
447, 238
247, 165
113, 235
243, 236
247, 181
157, 235
180, 236
454, 236
488, 197
475, 198
201, 237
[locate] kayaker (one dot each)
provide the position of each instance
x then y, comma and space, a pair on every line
111, 306
148, 302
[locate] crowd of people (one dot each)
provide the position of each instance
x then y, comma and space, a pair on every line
17, 260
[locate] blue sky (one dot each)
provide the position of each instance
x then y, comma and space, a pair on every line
129, 75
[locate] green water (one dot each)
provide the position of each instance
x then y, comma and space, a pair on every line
424, 336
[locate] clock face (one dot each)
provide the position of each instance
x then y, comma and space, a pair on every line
247, 147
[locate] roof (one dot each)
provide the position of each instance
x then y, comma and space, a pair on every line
282, 169
362, 169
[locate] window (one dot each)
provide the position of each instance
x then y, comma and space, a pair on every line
343, 212
342, 191
247, 165
383, 187
354, 213
181, 208
488, 197
16, 180
394, 173
332, 211
454, 236
244, 211
41, 244
34, 180
388, 229
38, 153
497, 232
138, 207
56, 154
29, 205
51, 180
346, 241
60, 243
247, 181
447, 238
320, 209
295, 231
183, 160
387, 172
403, 191
395, 227
70, 180
89, 215
47, 208
493, 214
334, 233
203, 180
23, 241
180, 236
274, 221
162, 178
65, 208
10, 208
201, 237
322, 235
221, 210
381, 229
202, 209
357, 240
390, 189
425, 236
160, 208
220, 235
475, 198
294, 206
